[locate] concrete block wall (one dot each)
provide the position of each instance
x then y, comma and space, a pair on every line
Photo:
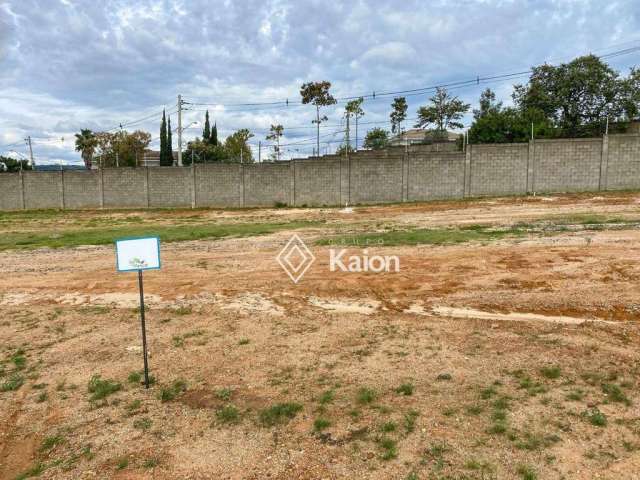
170, 187
267, 184
10, 191
317, 183
218, 185
80, 189
623, 162
567, 165
498, 169
435, 176
397, 174
124, 187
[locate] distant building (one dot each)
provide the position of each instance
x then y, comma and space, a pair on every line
416, 136
151, 158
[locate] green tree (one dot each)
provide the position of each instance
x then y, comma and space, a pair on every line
13, 165
237, 146
443, 113
317, 93
169, 141
213, 139
376, 139
398, 114
206, 132
353, 108
275, 133
577, 96
122, 148
200, 151
631, 95
165, 161
488, 104
86, 144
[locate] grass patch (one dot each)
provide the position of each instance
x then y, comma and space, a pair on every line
228, 414
527, 473
34, 471
143, 424
279, 413
615, 394
551, 373
50, 442
171, 392
595, 417
320, 424
366, 396
410, 421
389, 448
100, 389
14, 382
103, 236
405, 389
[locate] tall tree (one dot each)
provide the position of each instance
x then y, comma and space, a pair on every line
398, 114
169, 152
317, 93
86, 144
206, 132
237, 146
376, 139
578, 96
631, 96
353, 108
443, 113
213, 139
488, 104
164, 161
276, 132
127, 148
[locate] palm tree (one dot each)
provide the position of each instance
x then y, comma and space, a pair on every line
86, 143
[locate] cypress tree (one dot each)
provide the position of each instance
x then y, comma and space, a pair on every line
214, 134
163, 140
169, 148
206, 133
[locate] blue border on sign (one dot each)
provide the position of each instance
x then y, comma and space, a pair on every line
136, 269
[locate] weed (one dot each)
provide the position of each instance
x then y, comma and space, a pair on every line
228, 414
14, 382
389, 447
474, 409
527, 473
99, 388
178, 341
150, 463
575, 395
615, 393
366, 396
595, 417
444, 377
134, 377
279, 413
326, 397
488, 392
42, 397
39, 386
320, 424
536, 441
405, 389
143, 424
19, 360
50, 442
244, 341
122, 463
34, 471
169, 393
183, 310
224, 394
388, 427
551, 373
133, 406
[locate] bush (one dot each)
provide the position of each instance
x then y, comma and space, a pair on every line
279, 413
99, 388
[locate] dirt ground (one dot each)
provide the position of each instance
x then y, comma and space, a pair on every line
509, 359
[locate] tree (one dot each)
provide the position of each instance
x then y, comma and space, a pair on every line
165, 161
237, 146
169, 146
200, 151
86, 144
398, 114
206, 132
488, 104
631, 95
317, 93
13, 165
578, 96
213, 139
353, 108
276, 132
376, 139
122, 148
444, 112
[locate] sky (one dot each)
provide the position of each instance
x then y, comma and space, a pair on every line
72, 64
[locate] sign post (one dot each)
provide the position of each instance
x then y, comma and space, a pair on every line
138, 254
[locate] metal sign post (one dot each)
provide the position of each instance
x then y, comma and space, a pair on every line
138, 254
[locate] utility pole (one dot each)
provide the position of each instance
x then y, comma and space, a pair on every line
117, 160
259, 151
28, 140
318, 129
347, 139
356, 131
179, 131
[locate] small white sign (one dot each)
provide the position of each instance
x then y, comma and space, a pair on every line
133, 254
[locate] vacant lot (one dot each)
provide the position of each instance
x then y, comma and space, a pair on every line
506, 347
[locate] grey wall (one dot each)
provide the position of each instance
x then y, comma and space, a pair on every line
398, 174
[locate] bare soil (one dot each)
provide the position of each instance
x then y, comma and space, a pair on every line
522, 353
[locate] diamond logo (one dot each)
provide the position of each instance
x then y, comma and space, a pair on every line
295, 258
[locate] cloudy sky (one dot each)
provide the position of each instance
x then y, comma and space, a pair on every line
72, 64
